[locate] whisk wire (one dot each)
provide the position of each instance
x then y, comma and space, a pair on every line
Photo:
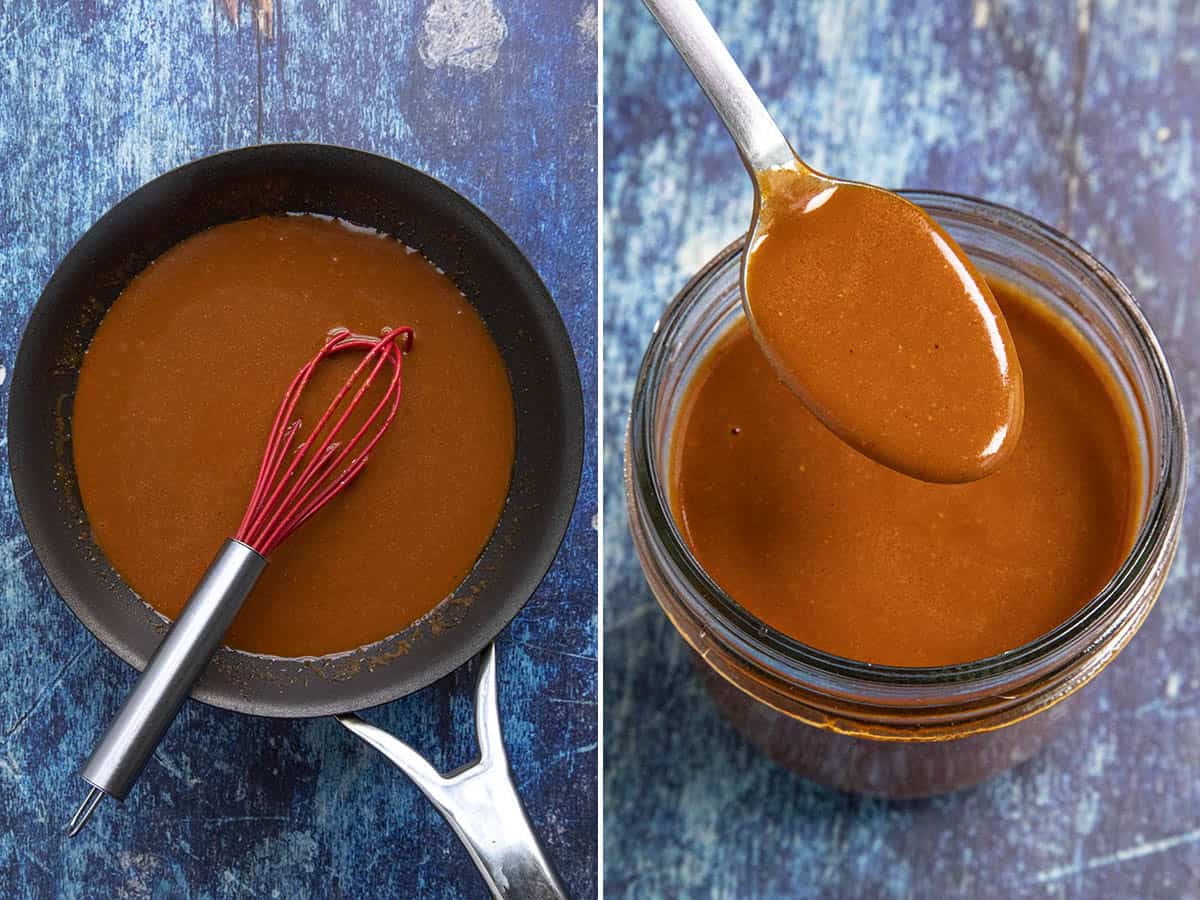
284, 429
325, 456
281, 437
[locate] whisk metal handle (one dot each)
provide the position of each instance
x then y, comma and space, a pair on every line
131, 738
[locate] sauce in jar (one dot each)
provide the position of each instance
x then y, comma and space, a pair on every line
855, 559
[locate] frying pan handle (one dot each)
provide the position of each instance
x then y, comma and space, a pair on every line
479, 801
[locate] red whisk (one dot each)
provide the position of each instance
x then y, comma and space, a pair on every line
292, 485
282, 502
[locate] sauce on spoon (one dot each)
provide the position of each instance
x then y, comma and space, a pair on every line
865, 308
872, 315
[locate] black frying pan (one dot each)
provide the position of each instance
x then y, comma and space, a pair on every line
368, 190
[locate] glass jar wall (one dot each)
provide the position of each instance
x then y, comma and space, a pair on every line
910, 731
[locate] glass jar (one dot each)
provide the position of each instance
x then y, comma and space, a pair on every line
898, 731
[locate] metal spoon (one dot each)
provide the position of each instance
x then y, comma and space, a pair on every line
936, 389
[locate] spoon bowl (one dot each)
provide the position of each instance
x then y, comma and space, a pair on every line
871, 314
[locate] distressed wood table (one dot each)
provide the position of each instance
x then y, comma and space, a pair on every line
1083, 114
96, 99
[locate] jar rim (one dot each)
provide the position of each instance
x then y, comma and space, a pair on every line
1153, 545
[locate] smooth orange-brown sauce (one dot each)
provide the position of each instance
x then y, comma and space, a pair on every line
181, 384
855, 559
876, 319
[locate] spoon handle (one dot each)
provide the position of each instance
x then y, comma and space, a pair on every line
759, 140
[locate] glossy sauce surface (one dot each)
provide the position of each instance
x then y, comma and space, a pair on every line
850, 557
875, 318
178, 391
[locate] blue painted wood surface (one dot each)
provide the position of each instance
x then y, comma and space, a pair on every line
498, 99
1084, 114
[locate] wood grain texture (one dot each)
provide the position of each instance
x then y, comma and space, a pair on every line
1083, 114
95, 99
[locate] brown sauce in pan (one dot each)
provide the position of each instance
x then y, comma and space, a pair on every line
877, 320
182, 381
855, 559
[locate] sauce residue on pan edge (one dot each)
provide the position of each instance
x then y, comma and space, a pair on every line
180, 384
